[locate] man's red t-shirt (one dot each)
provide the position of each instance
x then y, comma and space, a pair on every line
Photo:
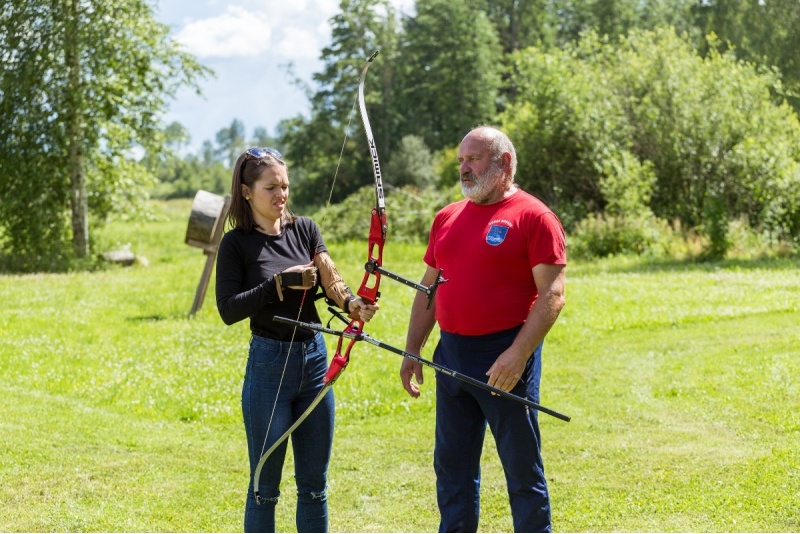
488, 253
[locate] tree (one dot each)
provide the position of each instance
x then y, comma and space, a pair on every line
82, 83
316, 146
647, 122
449, 72
411, 164
176, 136
615, 18
182, 175
359, 29
261, 137
520, 23
231, 142
765, 32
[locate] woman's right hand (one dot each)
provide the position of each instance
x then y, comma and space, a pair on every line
308, 275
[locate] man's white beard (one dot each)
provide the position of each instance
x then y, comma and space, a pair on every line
483, 186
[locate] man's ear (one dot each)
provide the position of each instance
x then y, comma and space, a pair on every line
505, 161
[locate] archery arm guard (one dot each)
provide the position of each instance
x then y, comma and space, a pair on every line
336, 291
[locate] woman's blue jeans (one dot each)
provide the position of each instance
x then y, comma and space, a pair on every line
462, 413
265, 383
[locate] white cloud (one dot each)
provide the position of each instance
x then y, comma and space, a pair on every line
235, 33
299, 43
248, 43
296, 29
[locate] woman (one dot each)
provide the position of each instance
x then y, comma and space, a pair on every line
272, 264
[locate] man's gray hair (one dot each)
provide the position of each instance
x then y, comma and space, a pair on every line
498, 144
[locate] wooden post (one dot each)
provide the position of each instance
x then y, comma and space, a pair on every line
205, 204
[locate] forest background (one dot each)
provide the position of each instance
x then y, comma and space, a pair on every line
651, 127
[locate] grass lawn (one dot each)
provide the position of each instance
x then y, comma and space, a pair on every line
119, 413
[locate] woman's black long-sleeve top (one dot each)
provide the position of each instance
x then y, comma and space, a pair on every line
245, 285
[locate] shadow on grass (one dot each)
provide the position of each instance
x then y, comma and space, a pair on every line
159, 317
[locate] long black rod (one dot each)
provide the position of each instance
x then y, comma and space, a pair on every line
455, 374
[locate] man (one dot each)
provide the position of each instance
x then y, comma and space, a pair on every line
504, 255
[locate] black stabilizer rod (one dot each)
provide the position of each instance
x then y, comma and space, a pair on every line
423, 361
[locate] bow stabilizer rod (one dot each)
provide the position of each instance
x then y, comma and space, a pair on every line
361, 336
429, 291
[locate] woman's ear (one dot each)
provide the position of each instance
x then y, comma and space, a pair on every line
245, 192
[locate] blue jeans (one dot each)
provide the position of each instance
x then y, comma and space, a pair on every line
462, 414
311, 441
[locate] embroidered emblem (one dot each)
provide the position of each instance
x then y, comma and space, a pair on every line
496, 235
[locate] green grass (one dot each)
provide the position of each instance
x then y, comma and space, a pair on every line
119, 413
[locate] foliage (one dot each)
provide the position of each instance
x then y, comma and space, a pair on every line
417, 87
760, 32
410, 212
613, 18
520, 24
625, 123
82, 84
411, 164
627, 185
314, 166
183, 177
210, 169
449, 72
360, 28
331, 142
602, 235
613, 124
231, 142
446, 163
563, 122
555, 23
648, 105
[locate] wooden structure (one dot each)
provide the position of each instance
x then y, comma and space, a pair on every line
206, 224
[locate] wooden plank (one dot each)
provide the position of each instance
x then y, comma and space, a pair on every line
211, 255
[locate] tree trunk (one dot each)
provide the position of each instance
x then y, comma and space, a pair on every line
75, 156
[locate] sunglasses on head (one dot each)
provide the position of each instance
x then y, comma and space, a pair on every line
261, 153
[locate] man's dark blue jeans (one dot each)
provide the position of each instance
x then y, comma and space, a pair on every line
462, 414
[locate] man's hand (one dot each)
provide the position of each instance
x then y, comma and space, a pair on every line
411, 369
507, 370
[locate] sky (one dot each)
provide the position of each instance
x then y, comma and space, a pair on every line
256, 49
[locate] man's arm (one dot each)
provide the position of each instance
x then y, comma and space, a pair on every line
508, 368
420, 326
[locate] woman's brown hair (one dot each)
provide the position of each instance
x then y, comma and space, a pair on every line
247, 171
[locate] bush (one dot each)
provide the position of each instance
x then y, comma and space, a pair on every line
602, 235
409, 211
646, 122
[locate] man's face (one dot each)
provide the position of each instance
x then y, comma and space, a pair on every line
481, 176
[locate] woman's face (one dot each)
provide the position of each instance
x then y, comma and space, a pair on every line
268, 195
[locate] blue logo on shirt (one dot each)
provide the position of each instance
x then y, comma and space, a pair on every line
496, 235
